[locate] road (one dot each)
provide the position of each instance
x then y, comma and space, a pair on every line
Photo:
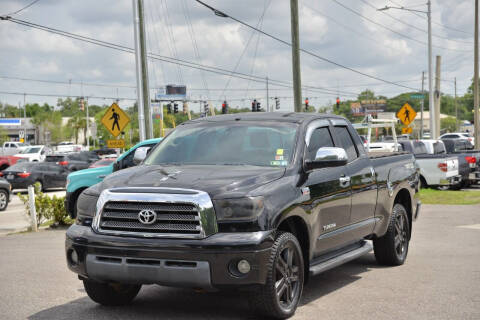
440, 280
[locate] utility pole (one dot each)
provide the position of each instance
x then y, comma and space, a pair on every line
437, 99
475, 82
431, 105
422, 105
143, 95
297, 80
455, 102
88, 127
25, 118
268, 98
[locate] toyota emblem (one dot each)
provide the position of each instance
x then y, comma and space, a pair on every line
147, 216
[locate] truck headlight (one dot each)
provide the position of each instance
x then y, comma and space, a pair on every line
239, 209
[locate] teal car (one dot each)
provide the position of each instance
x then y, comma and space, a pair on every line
80, 180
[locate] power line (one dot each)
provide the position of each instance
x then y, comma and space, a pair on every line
433, 21
176, 61
390, 29
62, 95
222, 14
20, 10
411, 25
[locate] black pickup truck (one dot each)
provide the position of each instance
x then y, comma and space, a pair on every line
254, 201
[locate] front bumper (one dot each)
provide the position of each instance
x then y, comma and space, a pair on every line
206, 263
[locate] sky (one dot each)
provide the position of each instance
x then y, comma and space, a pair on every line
390, 45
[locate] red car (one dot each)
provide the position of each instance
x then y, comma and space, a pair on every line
103, 162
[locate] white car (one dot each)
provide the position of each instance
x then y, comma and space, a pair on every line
383, 147
458, 135
33, 153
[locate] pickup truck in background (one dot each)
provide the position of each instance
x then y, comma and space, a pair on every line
437, 169
10, 148
80, 180
34, 153
468, 159
254, 201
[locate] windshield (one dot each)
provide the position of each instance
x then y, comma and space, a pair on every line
238, 143
31, 150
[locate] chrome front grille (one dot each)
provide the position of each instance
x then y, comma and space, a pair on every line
171, 218
179, 213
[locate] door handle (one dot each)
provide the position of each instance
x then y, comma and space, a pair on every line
102, 176
344, 181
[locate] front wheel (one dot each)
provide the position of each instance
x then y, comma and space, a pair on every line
3, 200
280, 295
392, 248
111, 294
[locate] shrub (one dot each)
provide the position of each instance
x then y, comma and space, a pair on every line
48, 209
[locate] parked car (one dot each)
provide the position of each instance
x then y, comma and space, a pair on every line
81, 180
34, 153
458, 135
103, 162
437, 169
105, 151
469, 159
7, 161
12, 147
257, 201
47, 174
71, 161
5, 194
68, 147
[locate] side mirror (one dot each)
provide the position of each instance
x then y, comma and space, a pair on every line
116, 166
140, 155
328, 157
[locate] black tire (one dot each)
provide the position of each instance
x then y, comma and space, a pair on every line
111, 294
3, 200
392, 248
287, 274
423, 183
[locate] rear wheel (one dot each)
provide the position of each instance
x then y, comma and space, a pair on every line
392, 248
3, 200
111, 294
280, 295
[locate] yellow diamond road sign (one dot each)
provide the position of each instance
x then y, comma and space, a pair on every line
407, 130
115, 120
406, 114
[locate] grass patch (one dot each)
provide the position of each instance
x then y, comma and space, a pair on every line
431, 196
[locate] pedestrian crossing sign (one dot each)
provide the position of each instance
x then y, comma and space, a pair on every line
406, 114
115, 119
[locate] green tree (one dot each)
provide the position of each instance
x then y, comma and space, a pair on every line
448, 124
366, 95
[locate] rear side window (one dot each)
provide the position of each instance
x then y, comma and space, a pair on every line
54, 158
438, 147
320, 138
419, 148
346, 142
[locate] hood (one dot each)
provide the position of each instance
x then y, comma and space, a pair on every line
218, 181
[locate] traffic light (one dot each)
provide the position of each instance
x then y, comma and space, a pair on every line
306, 104
224, 107
169, 108
82, 104
254, 105
277, 103
175, 108
205, 109
338, 102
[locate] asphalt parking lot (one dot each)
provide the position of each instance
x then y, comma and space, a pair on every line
440, 280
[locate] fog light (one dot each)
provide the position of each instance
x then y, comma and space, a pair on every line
74, 257
243, 266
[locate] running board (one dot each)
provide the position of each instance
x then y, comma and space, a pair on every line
365, 248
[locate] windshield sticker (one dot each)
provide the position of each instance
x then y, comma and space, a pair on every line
278, 157
278, 163
279, 152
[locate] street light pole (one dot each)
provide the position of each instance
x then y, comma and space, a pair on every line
431, 106
475, 82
